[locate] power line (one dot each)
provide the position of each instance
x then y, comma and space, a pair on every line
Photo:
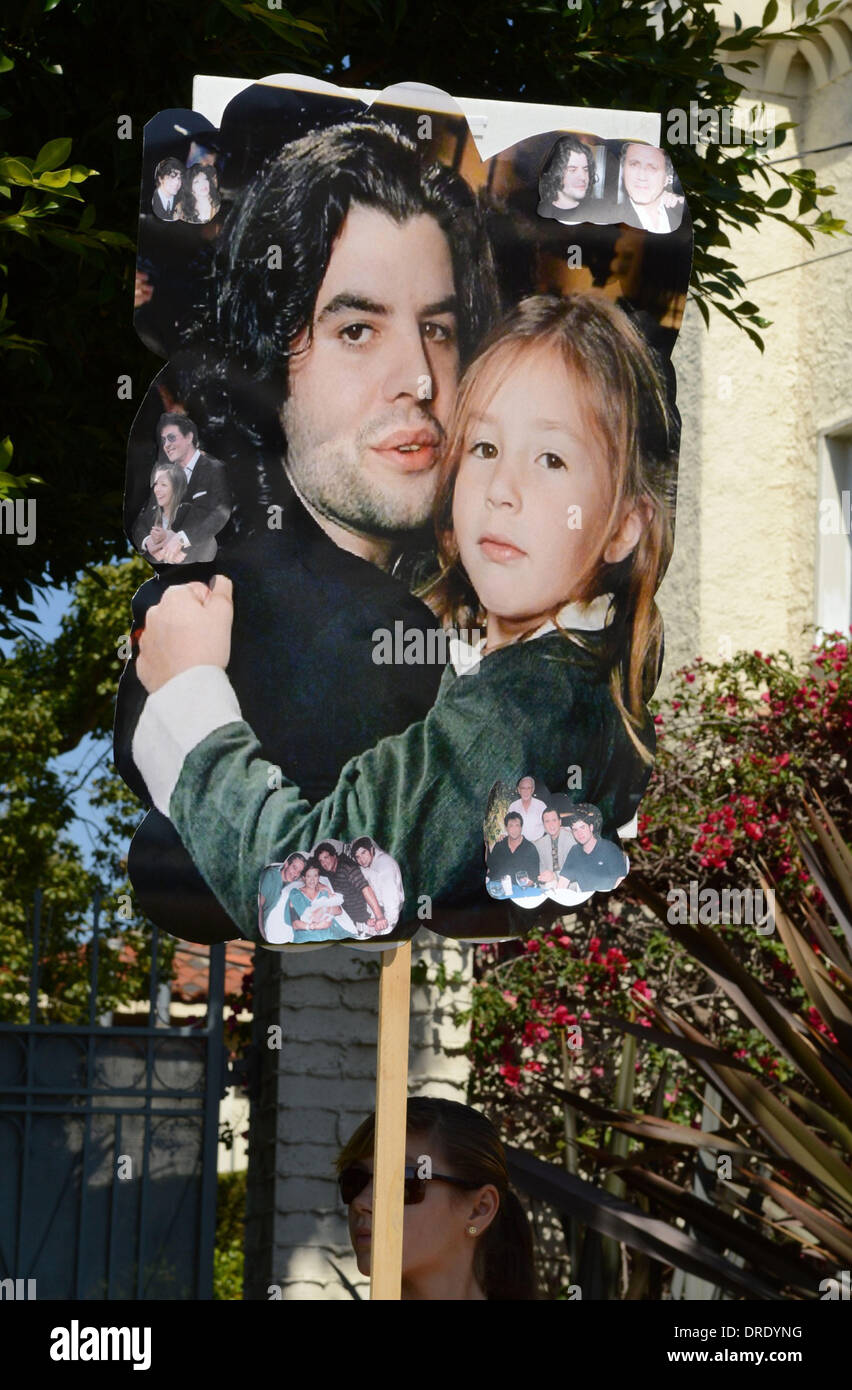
821, 149
829, 255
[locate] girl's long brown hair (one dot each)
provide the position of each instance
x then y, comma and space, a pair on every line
623, 392
471, 1148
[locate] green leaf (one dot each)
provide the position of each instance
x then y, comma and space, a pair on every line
779, 198
14, 223
79, 173
769, 14
51, 155
6, 63
15, 170
60, 179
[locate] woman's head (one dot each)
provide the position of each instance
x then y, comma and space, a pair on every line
312, 874
202, 182
471, 1232
168, 482
556, 477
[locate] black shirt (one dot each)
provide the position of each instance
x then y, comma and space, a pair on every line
348, 880
306, 614
599, 870
502, 860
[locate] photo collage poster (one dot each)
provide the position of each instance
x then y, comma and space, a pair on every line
418, 407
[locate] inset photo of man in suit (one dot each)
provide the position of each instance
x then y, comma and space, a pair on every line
190, 498
168, 179
647, 196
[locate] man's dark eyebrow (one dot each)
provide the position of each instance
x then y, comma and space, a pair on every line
359, 303
449, 305
347, 300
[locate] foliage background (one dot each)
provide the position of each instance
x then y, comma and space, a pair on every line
70, 69
737, 740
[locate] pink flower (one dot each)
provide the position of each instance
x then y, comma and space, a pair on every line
510, 1074
509, 997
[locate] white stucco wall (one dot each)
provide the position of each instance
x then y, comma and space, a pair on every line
744, 569
318, 1088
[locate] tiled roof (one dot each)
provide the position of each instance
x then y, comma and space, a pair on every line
191, 964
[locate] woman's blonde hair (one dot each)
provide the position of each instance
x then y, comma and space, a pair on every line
623, 391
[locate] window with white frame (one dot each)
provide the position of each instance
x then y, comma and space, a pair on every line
834, 531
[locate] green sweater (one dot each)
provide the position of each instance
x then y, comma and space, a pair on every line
422, 795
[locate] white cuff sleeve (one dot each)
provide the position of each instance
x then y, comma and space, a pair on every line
184, 539
174, 720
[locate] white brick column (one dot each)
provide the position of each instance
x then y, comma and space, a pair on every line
317, 1088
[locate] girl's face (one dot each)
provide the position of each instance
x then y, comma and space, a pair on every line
533, 493
312, 880
163, 490
201, 185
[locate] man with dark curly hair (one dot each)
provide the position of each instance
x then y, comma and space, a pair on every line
593, 865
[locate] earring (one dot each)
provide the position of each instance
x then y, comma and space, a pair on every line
471, 1230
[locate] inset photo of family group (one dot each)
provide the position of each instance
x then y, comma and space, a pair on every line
544, 845
335, 892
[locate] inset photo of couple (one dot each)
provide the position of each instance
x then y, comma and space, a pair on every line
189, 502
185, 194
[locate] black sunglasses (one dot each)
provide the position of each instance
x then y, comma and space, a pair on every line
353, 1180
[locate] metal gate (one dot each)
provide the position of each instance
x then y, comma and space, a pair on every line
108, 1146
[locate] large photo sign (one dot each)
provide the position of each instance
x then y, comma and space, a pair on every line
407, 487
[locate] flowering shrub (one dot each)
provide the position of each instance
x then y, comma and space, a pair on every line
738, 743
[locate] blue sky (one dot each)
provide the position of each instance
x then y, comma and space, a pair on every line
49, 607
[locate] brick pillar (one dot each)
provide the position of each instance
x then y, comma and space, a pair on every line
317, 1088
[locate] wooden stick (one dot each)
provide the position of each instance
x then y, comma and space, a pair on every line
391, 1100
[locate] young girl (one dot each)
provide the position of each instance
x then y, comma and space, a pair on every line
553, 526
